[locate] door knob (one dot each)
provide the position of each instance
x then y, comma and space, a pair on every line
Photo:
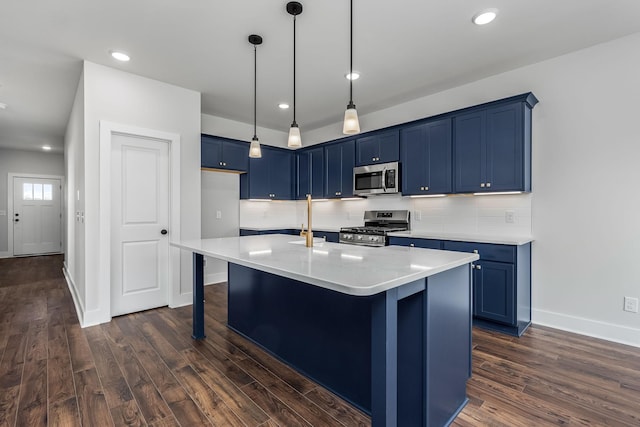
163, 232
17, 220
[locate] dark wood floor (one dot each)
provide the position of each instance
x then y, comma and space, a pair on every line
144, 369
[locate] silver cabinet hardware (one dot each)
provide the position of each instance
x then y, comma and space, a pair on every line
488, 184
482, 184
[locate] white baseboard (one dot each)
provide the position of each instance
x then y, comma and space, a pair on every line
74, 294
86, 318
592, 328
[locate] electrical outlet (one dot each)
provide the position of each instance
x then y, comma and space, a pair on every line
417, 215
631, 304
218, 214
510, 217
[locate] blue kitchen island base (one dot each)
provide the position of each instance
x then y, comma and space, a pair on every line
402, 355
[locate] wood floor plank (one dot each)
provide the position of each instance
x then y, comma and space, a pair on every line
228, 391
32, 409
81, 358
128, 414
9, 398
338, 408
273, 406
94, 410
64, 413
207, 400
184, 408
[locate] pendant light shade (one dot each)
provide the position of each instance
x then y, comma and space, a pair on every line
351, 124
294, 8
254, 148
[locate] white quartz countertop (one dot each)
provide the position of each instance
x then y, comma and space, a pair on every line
349, 269
462, 237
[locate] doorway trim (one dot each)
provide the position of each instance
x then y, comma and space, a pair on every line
10, 212
107, 130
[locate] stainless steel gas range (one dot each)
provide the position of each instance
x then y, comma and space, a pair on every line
377, 224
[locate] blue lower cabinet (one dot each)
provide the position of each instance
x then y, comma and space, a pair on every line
494, 292
502, 285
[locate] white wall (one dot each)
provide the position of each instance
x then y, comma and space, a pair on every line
584, 202
21, 161
218, 126
220, 193
74, 264
127, 99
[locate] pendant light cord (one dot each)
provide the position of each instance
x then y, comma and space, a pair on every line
255, 89
294, 69
351, 56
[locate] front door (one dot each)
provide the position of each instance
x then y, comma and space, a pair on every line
36, 216
139, 223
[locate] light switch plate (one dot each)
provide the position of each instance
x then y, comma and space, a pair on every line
3, 213
218, 214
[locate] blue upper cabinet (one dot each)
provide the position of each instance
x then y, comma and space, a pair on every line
339, 163
222, 153
269, 177
379, 147
492, 147
309, 173
425, 153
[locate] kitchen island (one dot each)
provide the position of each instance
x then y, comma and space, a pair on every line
388, 329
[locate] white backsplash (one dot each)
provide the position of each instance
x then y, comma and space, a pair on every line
484, 215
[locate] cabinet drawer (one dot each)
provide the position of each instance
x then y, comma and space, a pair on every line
414, 242
487, 251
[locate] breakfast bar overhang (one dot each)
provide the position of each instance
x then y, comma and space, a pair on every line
388, 329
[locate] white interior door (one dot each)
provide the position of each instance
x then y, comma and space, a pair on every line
36, 216
139, 227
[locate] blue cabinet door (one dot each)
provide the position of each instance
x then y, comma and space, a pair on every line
426, 158
339, 163
309, 173
210, 152
280, 174
380, 147
494, 296
492, 149
221, 153
470, 155
504, 146
235, 156
270, 176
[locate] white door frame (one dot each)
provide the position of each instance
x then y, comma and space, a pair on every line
107, 129
10, 210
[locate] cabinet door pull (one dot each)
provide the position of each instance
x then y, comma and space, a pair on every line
482, 184
488, 184
426, 188
412, 245
475, 251
478, 267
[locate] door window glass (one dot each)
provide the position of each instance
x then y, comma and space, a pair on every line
37, 191
47, 192
27, 191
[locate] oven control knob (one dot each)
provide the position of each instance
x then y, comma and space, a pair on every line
373, 238
359, 237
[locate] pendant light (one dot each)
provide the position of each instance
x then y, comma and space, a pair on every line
254, 148
294, 8
351, 123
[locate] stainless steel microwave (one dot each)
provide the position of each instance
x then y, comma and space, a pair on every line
382, 178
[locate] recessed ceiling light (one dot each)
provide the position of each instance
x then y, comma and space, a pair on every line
120, 56
283, 105
46, 147
485, 16
352, 76
3, 106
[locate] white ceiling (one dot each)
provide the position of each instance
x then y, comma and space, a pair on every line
404, 49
